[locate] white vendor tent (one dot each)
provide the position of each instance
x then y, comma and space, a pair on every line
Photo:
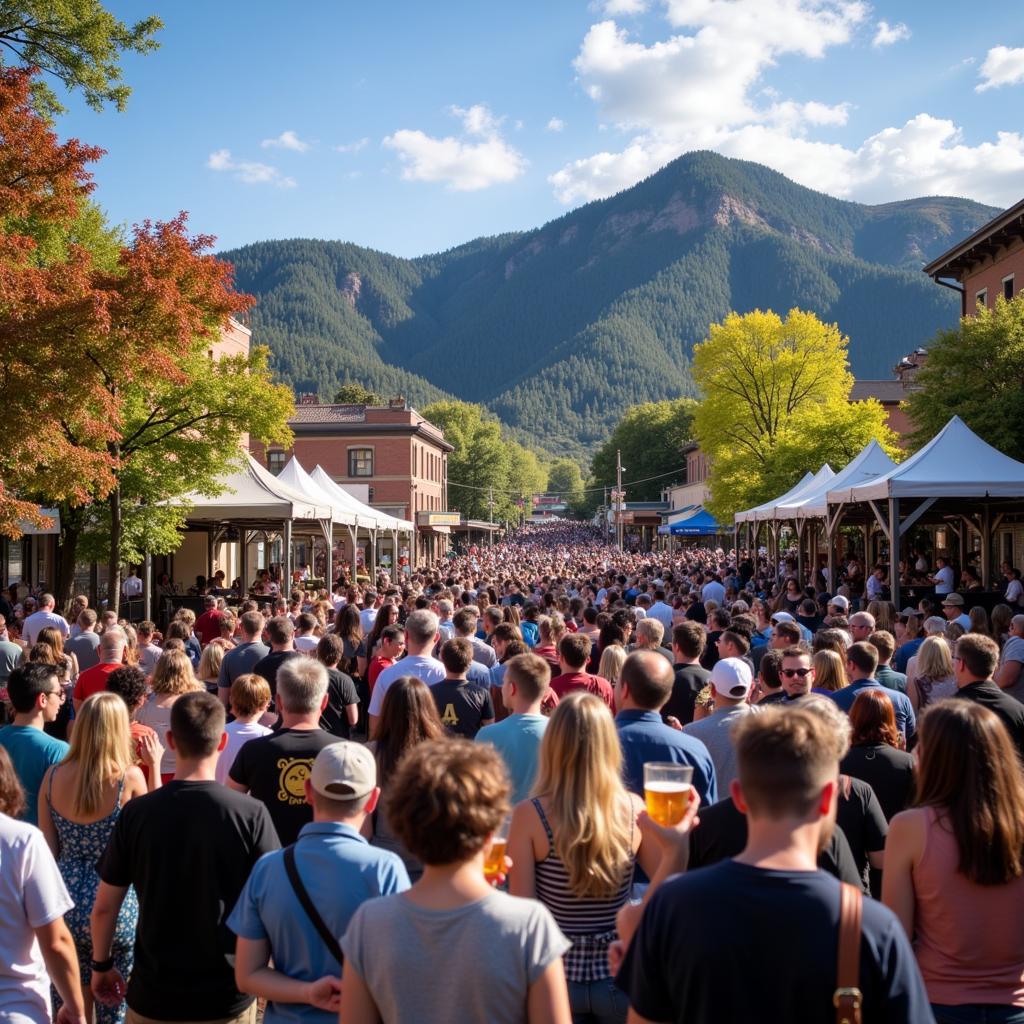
762, 512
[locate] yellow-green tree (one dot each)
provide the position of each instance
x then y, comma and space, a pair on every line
776, 403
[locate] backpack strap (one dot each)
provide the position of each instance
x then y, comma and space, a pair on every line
307, 905
847, 998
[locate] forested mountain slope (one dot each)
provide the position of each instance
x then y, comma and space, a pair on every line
560, 329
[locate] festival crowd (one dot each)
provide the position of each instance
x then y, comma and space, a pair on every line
424, 800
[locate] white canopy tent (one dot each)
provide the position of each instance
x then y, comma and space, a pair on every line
956, 465
761, 512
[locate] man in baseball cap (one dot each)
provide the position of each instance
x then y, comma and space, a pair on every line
285, 910
731, 680
953, 609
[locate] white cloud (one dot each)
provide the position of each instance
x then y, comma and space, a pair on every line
248, 171
352, 147
614, 8
286, 140
701, 88
464, 164
1003, 66
556, 124
886, 34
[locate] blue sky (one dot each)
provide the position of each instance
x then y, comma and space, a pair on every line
413, 127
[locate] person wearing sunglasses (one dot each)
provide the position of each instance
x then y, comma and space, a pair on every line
797, 673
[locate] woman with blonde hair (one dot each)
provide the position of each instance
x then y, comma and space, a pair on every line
172, 677
933, 677
79, 802
829, 671
209, 666
612, 660
575, 843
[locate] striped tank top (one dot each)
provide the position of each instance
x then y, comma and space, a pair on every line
589, 923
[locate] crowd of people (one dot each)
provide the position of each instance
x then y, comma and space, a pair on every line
424, 799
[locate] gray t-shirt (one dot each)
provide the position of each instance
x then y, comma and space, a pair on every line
1013, 650
404, 951
714, 733
85, 647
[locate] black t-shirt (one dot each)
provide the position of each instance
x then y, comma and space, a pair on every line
274, 768
776, 932
689, 681
341, 692
710, 656
722, 833
859, 815
268, 666
772, 698
1010, 710
888, 771
188, 849
462, 706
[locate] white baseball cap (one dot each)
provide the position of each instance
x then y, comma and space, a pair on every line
344, 771
731, 677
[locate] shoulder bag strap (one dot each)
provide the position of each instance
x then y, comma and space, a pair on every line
847, 998
307, 905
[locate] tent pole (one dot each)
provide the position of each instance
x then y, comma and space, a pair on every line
894, 550
147, 586
986, 546
286, 555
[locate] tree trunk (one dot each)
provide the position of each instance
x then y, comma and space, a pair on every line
66, 561
114, 566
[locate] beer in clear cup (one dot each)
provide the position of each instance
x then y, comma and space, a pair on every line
667, 790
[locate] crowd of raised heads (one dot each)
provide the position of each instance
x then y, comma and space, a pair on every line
543, 780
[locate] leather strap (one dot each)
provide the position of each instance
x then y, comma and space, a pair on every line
307, 905
847, 997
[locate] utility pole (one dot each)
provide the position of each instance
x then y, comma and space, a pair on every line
490, 513
618, 498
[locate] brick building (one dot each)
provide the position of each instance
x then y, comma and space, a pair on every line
987, 264
388, 456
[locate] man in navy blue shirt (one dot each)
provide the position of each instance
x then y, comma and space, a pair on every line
644, 686
861, 662
693, 956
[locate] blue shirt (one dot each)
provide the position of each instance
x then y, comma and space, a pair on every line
517, 738
479, 674
32, 751
905, 652
905, 720
340, 871
644, 737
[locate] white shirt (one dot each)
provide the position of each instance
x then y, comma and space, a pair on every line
713, 591
367, 617
944, 576
38, 621
32, 894
132, 587
306, 644
663, 613
875, 586
1014, 590
428, 670
239, 733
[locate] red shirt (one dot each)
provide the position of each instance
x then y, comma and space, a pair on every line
207, 626
94, 680
597, 685
377, 665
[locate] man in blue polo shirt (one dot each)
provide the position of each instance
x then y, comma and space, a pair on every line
861, 663
643, 688
338, 869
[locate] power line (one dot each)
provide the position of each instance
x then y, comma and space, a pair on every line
553, 494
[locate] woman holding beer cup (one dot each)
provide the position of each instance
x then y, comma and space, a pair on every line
574, 845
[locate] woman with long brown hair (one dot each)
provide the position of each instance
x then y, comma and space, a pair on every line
408, 717
954, 866
79, 802
876, 753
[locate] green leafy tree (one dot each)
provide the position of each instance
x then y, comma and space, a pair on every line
352, 393
566, 480
526, 477
77, 42
651, 437
776, 403
975, 372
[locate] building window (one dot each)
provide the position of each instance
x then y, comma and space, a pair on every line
369, 494
1008, 287
275, 462
360, 462
981, 298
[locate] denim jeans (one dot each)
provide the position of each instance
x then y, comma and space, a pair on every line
978, 1013
597, 1002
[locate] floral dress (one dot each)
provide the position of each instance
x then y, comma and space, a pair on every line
81, 847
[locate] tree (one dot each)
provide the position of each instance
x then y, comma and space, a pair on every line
776, 404
975, 372
352, 393
566, 480
651, 438
77, 42
525, 478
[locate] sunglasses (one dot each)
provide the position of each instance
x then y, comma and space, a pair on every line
792, 673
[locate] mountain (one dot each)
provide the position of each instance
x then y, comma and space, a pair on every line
560, 329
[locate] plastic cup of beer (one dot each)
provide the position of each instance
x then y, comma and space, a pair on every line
667, 791
494, 858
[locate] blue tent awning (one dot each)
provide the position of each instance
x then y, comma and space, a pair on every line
700, 524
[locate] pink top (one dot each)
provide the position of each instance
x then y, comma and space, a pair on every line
969, 938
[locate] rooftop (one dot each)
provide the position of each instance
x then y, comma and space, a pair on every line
986, 241
883, 390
